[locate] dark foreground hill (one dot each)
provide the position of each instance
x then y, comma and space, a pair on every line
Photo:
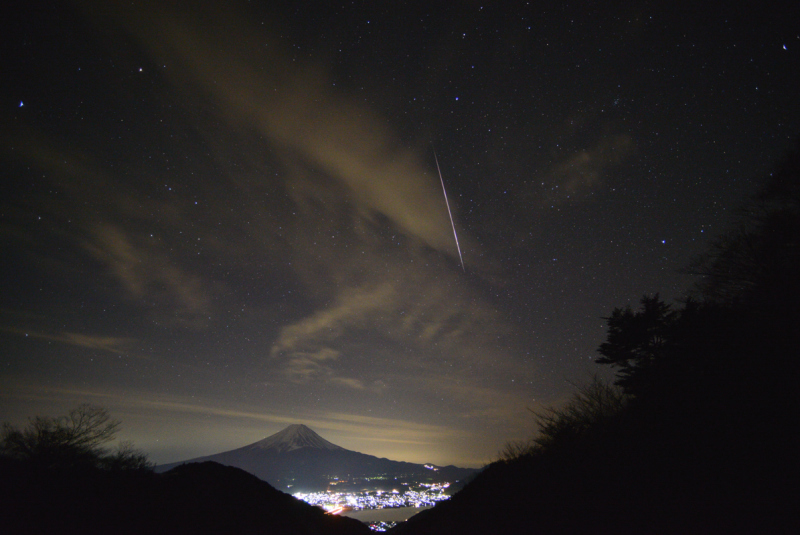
703, 440
640, 475
299, 459
702, 435
205, 498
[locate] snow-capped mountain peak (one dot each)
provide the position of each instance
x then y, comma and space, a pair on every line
294, 437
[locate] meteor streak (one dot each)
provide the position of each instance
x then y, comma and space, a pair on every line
449, 212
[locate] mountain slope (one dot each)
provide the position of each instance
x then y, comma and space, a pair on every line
294, 437
197, 499
297, 458
675, 470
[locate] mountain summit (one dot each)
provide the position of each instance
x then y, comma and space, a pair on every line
297, 458
294, 437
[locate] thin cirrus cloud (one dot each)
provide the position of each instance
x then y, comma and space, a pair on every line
110, 344
268, 93
105, 218
343, 428
145, 273
412, 313
581, 173
396, 283
313, 128
354, 307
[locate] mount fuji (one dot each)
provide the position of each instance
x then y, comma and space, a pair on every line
292, 438
298, 459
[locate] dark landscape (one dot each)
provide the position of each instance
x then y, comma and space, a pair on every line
693, 437
202, 498
298, 460
524, 267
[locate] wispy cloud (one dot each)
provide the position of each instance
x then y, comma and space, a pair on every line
328, 221
354, 307
423, 325
109, 344
354, 426
108, 226
580, 173
375, 387
148, 273
304, 366
293, 105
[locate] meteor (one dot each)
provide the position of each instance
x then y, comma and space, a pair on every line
448, 211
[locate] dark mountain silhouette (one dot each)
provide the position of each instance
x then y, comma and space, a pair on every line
298, 459
197, 499
702, 439
719, 460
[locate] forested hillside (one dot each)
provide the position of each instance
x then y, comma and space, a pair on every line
696, 436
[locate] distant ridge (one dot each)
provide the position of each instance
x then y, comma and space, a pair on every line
297, 458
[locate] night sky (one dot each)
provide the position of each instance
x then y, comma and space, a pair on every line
223, 220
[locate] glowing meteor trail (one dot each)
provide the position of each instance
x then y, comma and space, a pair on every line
449, 212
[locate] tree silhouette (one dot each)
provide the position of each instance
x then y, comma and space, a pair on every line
126, 457
701, 440
590, 408
753, 271
755, 265
75, 439
587, 411
637, 341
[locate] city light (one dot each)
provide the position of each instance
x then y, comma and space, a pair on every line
427, 495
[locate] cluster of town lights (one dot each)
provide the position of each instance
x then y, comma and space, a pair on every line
337, 502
